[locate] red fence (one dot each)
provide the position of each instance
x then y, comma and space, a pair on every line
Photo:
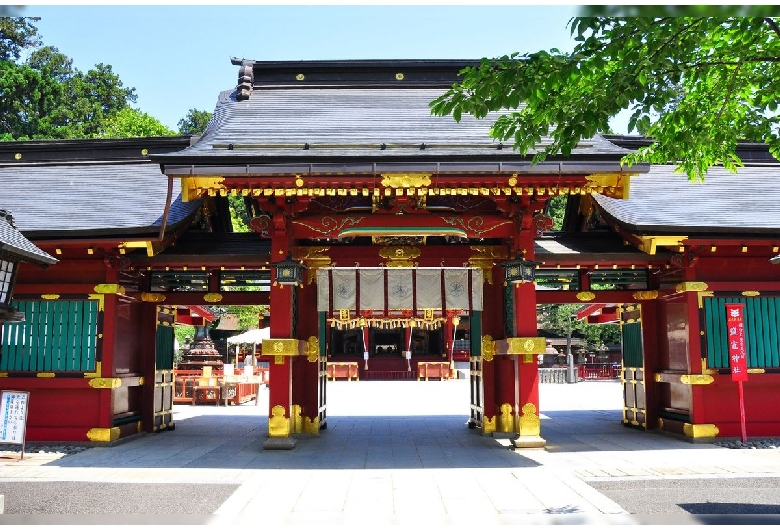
597, 371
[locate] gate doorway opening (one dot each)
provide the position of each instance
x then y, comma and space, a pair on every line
216, 358
595, 343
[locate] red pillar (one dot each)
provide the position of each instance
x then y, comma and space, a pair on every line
107, 369
280, 366
493, 319
528, 425
528, 368
148, 330
305, 369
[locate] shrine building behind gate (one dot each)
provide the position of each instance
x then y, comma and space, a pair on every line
407, 225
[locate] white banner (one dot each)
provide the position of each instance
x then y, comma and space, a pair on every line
428, 282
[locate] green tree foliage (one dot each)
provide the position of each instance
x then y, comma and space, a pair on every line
194, 122
133, 123
249, 316
560, 320
556, 210
694, 84
17, 34
239, 215
45, 97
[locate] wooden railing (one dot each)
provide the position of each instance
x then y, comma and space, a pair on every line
436, 370
192, 388
343, 370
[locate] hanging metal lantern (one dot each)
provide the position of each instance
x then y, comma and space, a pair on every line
289, 271
519, 270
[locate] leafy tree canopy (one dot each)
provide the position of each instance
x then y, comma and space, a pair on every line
559, 319
17, 34
194, 122
44, 96
133, 123
695, 80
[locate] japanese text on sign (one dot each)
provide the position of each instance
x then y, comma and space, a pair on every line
13, 416
736, 336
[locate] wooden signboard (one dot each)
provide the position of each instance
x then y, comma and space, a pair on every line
735, 321
13, 416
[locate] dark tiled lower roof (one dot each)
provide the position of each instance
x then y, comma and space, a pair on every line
90, 199
198, 243
665, 202
11, 240
589, 246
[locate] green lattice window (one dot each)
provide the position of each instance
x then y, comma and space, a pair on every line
632, 345
164, 347
762, 336
56, 335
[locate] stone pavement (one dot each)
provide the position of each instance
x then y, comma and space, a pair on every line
394, 452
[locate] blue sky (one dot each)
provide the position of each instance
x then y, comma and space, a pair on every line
177, 57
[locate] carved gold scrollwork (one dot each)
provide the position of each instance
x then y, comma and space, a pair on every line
474, 225
329, 226
296, 421
645, 295
485, 258
487, 268
690, 286
311, 425
505, 419
105, 382
489, 425
406, 180
281, 347
525, 345
696, 379
278, 424
488, 348
109, 288
313, 258
399, 253
529, 424
152, 297
312, 349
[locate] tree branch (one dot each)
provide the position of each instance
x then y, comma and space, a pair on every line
773, 25
729, 92
674, 36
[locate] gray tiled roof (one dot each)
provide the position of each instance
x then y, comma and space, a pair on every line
274, 125
598, 246
70, 199
13, 241
665, 202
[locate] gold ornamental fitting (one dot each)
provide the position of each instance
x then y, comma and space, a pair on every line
284, 347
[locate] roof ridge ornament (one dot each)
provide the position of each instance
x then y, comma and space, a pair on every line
245, 82
8, 216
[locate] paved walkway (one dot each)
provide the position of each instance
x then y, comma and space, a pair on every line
394, 452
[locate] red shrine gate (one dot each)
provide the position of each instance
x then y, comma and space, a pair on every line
361, 178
